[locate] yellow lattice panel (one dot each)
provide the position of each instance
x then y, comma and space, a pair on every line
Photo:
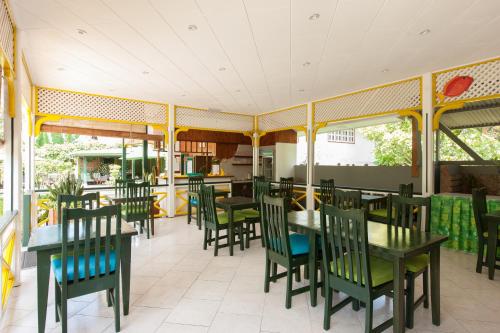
486, 82
293, 117
89, 106
188, 117
390, 98
6, 33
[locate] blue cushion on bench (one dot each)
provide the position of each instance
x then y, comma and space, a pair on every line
57, 266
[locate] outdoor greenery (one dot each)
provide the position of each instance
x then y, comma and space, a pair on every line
393, 143
68, 184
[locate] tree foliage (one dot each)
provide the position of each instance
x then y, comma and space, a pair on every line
393, 143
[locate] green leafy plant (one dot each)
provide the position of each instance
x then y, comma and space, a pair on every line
68, 184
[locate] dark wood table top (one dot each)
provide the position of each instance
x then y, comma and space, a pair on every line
236, 203
396, 241
367, 198
50, 236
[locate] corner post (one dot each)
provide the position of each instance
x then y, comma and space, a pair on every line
427, 135
171, 161
255, 148
310, 157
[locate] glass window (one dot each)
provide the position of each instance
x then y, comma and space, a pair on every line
342, 136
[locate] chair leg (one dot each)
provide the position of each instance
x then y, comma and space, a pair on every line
480, 257
205, 238
147, 227
275, 271
247, 241
189, 210
410, 299
266, 275
426, 288
210, 237
261, 235
64, 312
297, 274
116, 294
369, 317
355, 305
57, 299
108, 297
242, 239
328, 306
216, 245
289, 277
306, 272
198, 217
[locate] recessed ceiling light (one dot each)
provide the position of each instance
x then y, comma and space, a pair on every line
192, 27
301, 90
81, 31
237, 90
145, 72
314, 16
183, 95
61, 69
424, 32
306, 64
222, 69
385, 70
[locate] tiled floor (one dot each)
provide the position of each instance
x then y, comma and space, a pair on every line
178, 287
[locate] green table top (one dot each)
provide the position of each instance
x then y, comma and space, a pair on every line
397, 241
50, 237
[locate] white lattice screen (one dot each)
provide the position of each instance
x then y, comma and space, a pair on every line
393, 97
486, 82
283, 119
81, 105
212, 120
6, 33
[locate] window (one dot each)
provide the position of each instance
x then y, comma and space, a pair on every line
342, 136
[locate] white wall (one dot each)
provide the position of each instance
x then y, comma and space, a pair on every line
284, 160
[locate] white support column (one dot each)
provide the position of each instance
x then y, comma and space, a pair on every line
255, 154
310, 157
427, 136
170, 166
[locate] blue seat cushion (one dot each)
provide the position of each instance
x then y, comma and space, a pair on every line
299, 244
57, 265
194, 201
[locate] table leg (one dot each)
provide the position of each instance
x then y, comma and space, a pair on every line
491, 252
399, 295
435, 286
152, 218
230, 231
42, 278
125, 264
313, 273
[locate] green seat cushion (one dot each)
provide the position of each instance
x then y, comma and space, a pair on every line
382, 212
224, 218
485, 234
138, 210
417, 263
250, 213
382, 270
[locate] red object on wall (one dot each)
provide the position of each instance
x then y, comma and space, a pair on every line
457, 86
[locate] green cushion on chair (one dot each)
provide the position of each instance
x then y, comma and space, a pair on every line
250, 213
485, 234
382, 270
224, 218
382, 212
417, 263
136, 211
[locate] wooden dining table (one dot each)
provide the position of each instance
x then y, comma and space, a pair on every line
46, 241
395, 244
115, 200
493, 221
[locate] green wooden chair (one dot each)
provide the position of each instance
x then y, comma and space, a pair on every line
282, 248
254, 181
347, 199
326, 191
252, 216
86, 201
409, 213
88, 265
480, 208
348, 265
194, 183
379, 214
121, 187
218, 222
138, 206
286, 187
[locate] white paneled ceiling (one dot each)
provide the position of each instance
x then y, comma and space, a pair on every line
248, 56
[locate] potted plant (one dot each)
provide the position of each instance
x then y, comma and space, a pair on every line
68, 184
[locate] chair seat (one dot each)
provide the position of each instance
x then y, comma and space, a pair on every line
194, 202
224, 217
417, 263
250, 213
381, 270
381, 212
485, 234
136, 211
299, 244
57, 266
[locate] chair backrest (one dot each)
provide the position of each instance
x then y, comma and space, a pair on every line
207, 198
406, 190
121, 186
326, 191
274, 212
86, 201
286, 187
479, 206
194, 183
347, 199
90, 232
409, 212
344, 241
254, 181
138, 200
261, 187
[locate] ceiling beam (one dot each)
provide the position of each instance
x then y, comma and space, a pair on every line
100, 132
